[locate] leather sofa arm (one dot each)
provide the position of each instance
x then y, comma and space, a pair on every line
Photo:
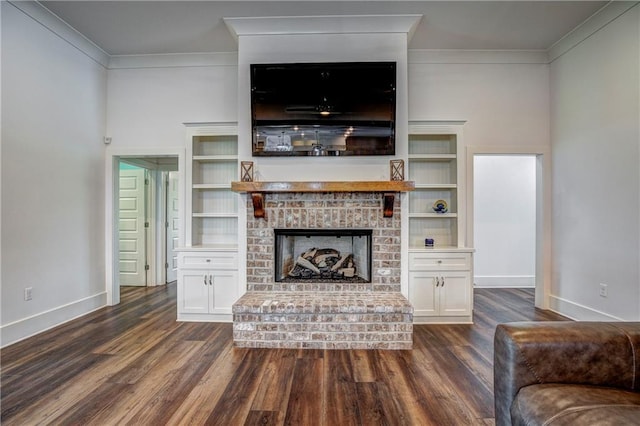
596, 353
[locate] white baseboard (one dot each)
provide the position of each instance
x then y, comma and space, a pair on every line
205, 317
504, 281
35, 324
576, 311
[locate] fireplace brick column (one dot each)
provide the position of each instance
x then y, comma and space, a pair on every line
324, 211
301, 315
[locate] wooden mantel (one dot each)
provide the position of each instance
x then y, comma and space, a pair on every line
258, 189
330, 186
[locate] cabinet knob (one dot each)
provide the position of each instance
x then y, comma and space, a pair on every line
439, 261
208, 260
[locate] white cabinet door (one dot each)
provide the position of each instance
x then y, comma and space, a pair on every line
207, 292
454, 294
207, 285
422, 293
194, 292
440, 293
224, 291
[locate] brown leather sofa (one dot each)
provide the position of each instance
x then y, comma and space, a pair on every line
567, 373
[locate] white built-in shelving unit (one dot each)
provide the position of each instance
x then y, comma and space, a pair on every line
440, 277
212, 165
208, 282
433, 166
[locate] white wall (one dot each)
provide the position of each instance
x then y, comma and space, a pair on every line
503, 103
53, 105
502, 96
504, 220
504, 99
595, 113
322, 48
147, 104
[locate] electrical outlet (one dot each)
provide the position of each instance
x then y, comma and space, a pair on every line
603, 290
28, 293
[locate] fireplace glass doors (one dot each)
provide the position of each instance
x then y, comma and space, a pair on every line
323, 255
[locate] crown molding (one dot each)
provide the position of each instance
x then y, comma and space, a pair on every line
610, 12
414, 57
339, 24
459, 56
174, 60
53, 23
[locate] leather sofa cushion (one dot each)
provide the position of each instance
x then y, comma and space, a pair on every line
566, 404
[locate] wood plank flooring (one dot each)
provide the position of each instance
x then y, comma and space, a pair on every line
134, 364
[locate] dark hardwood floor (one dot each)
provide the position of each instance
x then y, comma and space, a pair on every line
134, 364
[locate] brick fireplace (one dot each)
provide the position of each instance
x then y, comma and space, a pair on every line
323, 211
317, 314
305, 314
339, 259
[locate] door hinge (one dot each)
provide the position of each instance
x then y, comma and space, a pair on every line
166, 224
146, 224
146, 181
166, 266
146, 267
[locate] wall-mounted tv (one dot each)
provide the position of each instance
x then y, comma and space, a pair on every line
335, 109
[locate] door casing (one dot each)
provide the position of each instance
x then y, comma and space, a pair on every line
543, 209
112, 159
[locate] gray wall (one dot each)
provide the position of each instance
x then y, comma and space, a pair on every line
595, 115
53, 119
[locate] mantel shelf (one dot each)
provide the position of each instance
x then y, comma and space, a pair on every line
330, 186
258, 189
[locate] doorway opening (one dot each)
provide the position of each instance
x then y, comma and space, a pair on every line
504, 221
540, 207
148, 224
144, 208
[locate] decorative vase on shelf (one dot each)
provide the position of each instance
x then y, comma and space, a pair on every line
440, 206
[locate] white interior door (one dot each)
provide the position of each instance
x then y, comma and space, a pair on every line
132, 236
172, 226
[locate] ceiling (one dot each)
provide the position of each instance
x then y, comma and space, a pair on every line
164, 27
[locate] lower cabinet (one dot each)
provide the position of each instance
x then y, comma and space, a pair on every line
440, 294
207, 286
207, 292
441, 287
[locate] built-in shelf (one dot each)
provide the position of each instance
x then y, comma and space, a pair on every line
215, 158
258, 189
433, 164
436, 186
221, 186
433, 215
222, 215
212, 163
433, 157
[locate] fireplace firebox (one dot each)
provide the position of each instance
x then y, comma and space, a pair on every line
323, 255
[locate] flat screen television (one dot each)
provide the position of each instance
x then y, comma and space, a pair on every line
332, 109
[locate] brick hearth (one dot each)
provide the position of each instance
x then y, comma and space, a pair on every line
323, 315
330, 320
